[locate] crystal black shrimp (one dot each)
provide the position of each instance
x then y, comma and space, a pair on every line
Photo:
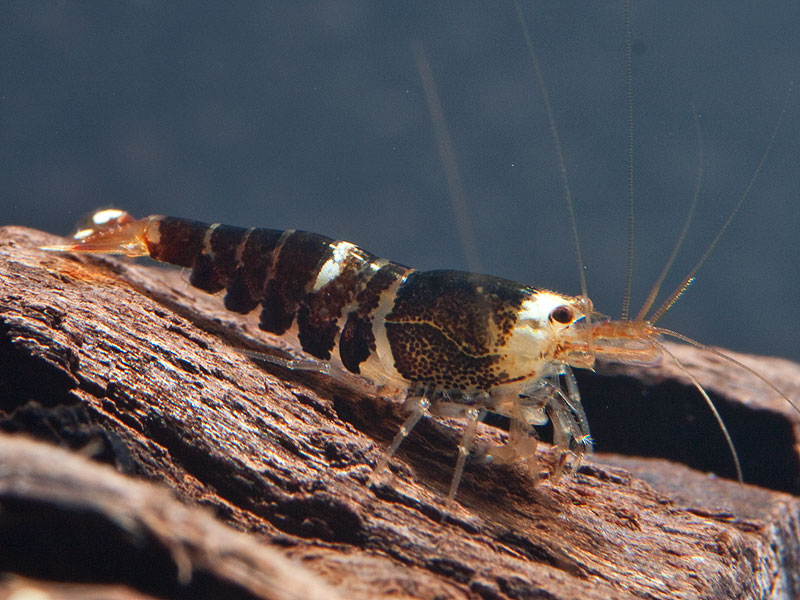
451, 343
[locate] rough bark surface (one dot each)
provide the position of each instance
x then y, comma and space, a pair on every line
223, 478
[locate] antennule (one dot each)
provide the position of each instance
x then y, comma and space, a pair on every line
698, 183
626, 299
691, 275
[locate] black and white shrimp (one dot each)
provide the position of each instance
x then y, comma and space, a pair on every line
450, 343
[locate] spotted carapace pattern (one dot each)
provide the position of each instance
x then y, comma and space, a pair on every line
446, 329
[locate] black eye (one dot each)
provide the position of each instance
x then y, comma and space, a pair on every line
562, 314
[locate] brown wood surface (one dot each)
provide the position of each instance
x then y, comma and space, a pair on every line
225, 478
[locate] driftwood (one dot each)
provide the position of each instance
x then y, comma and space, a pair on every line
226, 478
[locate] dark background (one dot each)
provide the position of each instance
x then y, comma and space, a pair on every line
311, 115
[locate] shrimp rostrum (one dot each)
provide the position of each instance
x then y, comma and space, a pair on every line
452, 343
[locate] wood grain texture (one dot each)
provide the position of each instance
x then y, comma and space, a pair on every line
127, 365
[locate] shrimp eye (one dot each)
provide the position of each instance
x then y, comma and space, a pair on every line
562, 314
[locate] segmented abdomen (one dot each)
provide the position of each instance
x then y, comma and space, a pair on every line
441, 330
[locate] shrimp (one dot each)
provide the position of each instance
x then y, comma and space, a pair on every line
451, 343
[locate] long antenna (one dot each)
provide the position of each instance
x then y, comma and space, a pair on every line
673, 297
730, 359
626, 299
444, 145
712, 408
562, 165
